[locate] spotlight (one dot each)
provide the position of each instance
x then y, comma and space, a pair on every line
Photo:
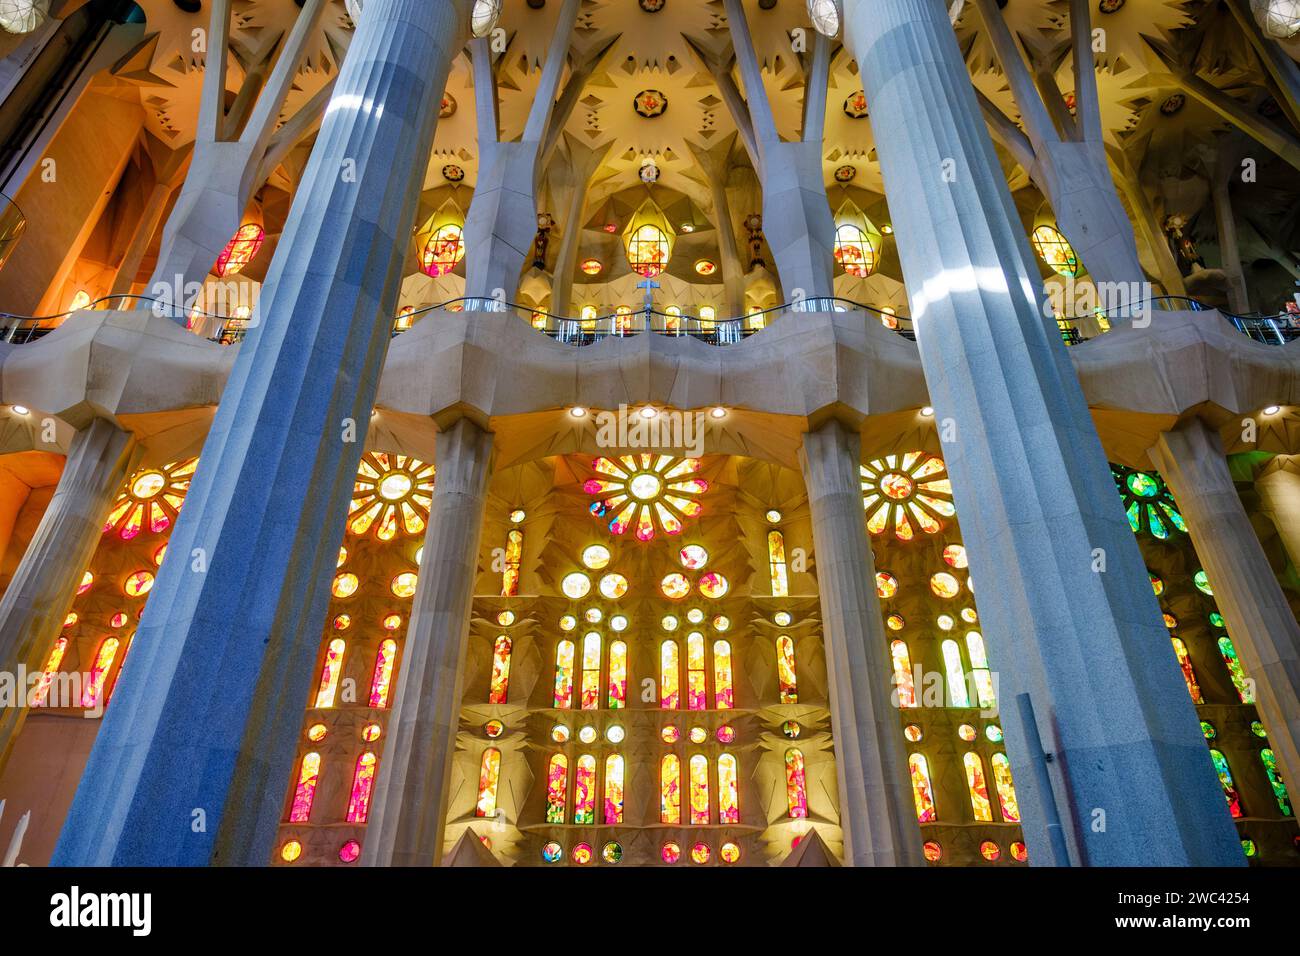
577, 411
20, 409
1270, 410
887, 229
649, 411
927, 412
718, 412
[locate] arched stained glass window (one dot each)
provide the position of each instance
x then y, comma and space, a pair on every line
381, 682
1225, 780
500, 687
669, 694
723, 692
695, 699
591, 671
728, 790
489, 775
444, 250
42, 688
670, 790
584, 790
776, 564
979, 665
363, 783
617, 675
104, 657
1245, 687
329, 673
1189, 675
613, 789
785, 669
699, 790
1055, 250
796, 789
514, 557
647, 250
906, 688
854, 250
1006, 788
564, 675
922, 791
979, 791
305, 791
1269, 759
557, 788
958, 696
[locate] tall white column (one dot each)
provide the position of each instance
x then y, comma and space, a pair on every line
877, 812
1131, 776
1278, 485
410, 807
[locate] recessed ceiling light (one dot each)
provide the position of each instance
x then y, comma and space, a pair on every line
20, 409
718, 412
1270, 410
887, 229
927, 411
649, 411
577, 411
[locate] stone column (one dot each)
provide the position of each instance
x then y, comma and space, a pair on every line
41, 591
1278, 484
877, 812
410, 806
191, 763
1191, 459
1038, 507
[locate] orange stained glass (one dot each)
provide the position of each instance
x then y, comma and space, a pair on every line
1006, 788
557, 788
854, 250
240, 250
488, 776
1189, 675
670, 790
728, 795
777, 571
500, 685
391, 493
42, 688
564, 675
591, 671
444, 250
617, 675
363, 785
786, 669
905, 688
958, 694
723, 692
980, 673
614, 789
514, 558
647, 250
699, 768
104, 657
151, 500
382, 680
979, 791
695, 699
669, 693
922, 792
584, 790
796, 788
305, 792
329, 673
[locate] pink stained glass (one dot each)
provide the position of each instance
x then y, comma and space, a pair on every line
38, 693
363, 783
617, 675
922, 792
305, 792
584, 791
728, 796
796, 788
99, 672
382, 681
699, 771
500, 684
723, 691
785, 668
240, 250
564, 675
614, 767
905, 688
1006, 788
695, 694
488, 777
669, 693
979, 791
557, 788
670, 792
329, 674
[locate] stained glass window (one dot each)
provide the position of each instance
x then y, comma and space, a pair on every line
305, 791
670, 792
514, 557
391, 493
382, 680
488, 776
1189, 675
557, 787
979, 792
99, 671
906, 492
956, 675
699, 767
363, 783
906, 688
591, 671
444, 250
329, 674
796, 789
614, 789
1245, 687
243, 246
564, 675
1269, 759
979, 664
647, 250
647, 493
776, 564
42, 688
728, 796
584, 790
695, 671
854, 250
1225, 780
922, 791
785, 669
500, 685
723, 692
669, 694
1006, 788
617, 675
1055, 250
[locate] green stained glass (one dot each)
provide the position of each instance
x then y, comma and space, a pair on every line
1226, 782
1269, 760
1143, 485
1216, 619
994, 733
1202, 582
1175, 516
1157, 526
1207, 728
1134, 516
1248, 847
1257, 729
1245, 687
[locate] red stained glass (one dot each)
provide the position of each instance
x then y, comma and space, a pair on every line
796, 789
305, 792
363, 782
243, 246
500, 685
382, 681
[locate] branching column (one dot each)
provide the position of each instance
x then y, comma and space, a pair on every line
410, 806
876, 808
1278, 484
1263, 629
191, 764
41, 590
1062, 589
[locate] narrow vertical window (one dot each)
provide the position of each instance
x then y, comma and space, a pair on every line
613, 789
979, 665
617, 675
382, 681
363, 784
1225, 780
564, 675
488, 776
776, 564
699, 789
1235, 670
728, 790
796, 790
695, 671
514, 557
557, 788
669, 695
670, 790
99, 671
785, 670
905, 687
500, 687
591, 671
305, 792
329, 673
956, 674
723, 692
1006, 788
979, 791
922, 791
42, 688
1269, 759
584, 790
1189, 675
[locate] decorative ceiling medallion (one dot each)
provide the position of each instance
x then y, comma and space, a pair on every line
1173, 104
1110, 6
591, 267
452, 173
448, 106
855, 105
706, 267
650, 103
845, 174
652, 6
649, 173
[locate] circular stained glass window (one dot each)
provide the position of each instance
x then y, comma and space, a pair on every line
349, 851
699, 735
1208, 730
945, 622
670, 734
291, 851
994, 733
1216, 619
895, 622
932, 851
595, 556
990, 850
773, 516
1257, 729
721, 622
912, 732
581, 854
726, 733
671, 852
551, 852
568, 622
618, 623
138, 584
791, 729
966, 732
395, 486
694, 557
612, 853
944, 585
669, 622
886, 584
1142, 485
593, 615
342, 622
1019, 852
505, 618
392, 622
645, 486
1248, 847
560, 734
575, 585
613, 586
1202, 582
968, 615
782, 618
729, 853
713, 585
614, 733
494, 728
695, 615
587, 734
345, 585
148, 485
700, 853
404, 584
896, 485
955, 556
675, 586
317, 732
591, 267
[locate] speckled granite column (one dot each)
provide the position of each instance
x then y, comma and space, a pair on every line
409, 811
39, 594
1191, 460
191, 763
1131, 775
876, 807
